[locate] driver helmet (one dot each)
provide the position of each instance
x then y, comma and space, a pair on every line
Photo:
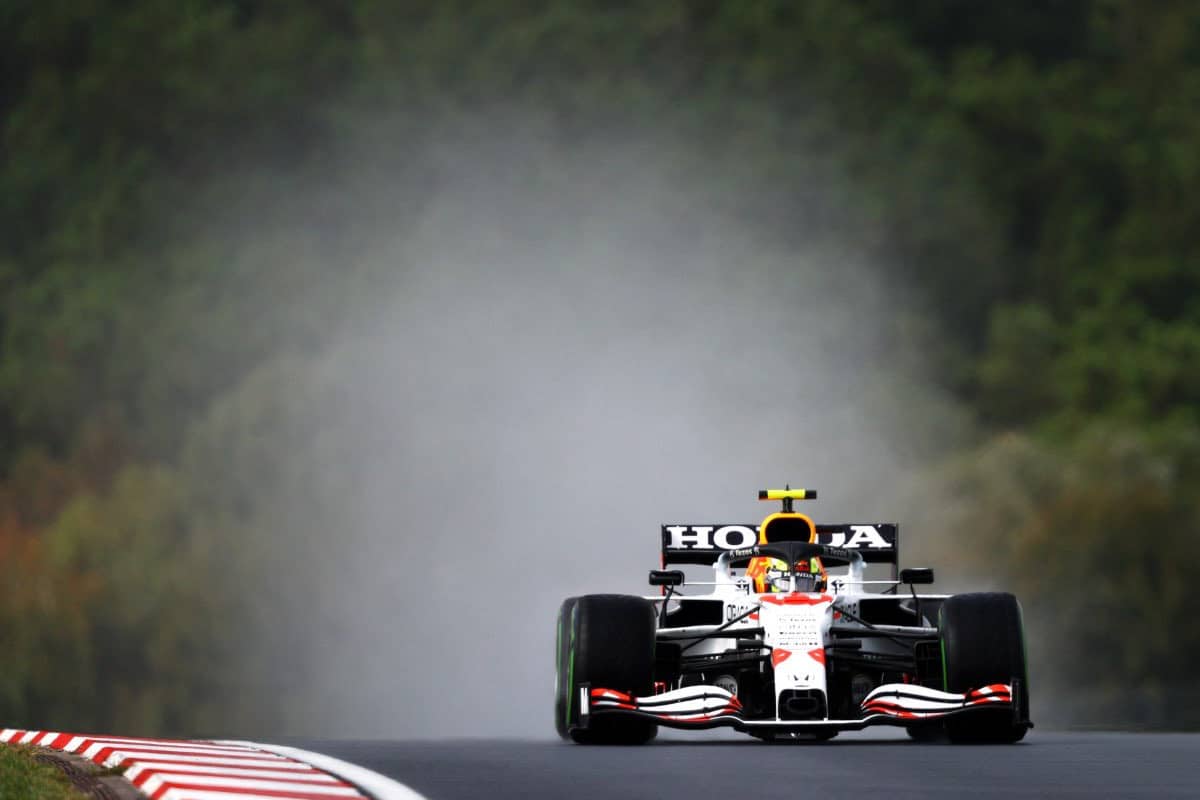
772, 575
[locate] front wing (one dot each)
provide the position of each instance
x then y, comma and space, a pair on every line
697, 707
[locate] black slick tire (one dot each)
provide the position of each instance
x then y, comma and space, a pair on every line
983, 642
604, 640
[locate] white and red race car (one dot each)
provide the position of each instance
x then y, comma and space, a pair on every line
790, 639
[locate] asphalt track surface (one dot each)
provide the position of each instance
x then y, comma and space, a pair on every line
867, 764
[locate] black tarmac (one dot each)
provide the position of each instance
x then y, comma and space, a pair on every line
870, 764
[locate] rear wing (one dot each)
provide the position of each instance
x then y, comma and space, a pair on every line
879, 542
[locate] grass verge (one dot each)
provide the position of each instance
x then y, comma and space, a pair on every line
23, 777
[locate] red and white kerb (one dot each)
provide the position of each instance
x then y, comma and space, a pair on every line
165, 769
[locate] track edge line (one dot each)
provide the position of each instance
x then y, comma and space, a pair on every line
378, 786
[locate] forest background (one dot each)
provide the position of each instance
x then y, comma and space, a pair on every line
211, 208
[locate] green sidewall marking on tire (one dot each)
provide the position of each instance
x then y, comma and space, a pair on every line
1024, 653
945, 675
942, 646
571, 670
558, 655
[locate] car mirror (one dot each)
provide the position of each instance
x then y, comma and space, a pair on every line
666, 577
917, 575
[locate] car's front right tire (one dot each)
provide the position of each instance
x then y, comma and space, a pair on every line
605, 640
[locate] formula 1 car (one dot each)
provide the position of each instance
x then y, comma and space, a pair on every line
789, 642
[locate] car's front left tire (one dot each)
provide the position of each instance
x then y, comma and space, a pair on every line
983, 642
